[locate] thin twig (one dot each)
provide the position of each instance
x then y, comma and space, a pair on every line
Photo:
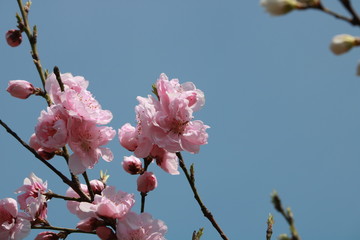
204, 210
147, 162
50, 195
91, 192
67, 230
32, 37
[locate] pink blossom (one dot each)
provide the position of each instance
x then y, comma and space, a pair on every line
47, 236
145, 112
169, 90
51, 129
140, 227
76, 99
132, 165
33, 187
105, 233
37, 208
166, 160
167, 122
146, 182
85, 139
128, 137
13, 37
110, 204
13, 225
77, 83
20, 89
34, 143
73, 206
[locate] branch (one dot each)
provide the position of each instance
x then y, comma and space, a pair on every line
204, 210
49, 195
347, 5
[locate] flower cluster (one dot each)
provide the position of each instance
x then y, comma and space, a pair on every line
165, 126
111, 211
73, 119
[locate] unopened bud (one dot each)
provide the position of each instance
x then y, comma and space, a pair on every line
279, 7
97, 186
20, 89
146, 182
342, 43
132, 165
13, 37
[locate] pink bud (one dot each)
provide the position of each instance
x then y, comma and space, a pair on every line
132, 165
105, 233
146, 182
13, 37
20, 89
97, 186
47, 236
128, 137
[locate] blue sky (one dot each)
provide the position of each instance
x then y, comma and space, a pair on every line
283, 110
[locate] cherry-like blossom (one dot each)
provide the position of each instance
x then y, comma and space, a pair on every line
13, 225
20, 89
140, 227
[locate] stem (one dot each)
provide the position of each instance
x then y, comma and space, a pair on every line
67, 230
143, 196
50, 195
204, 210
32, 37
91, 192
52, 168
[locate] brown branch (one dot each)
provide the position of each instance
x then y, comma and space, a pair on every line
203, 208
49, 195
347, 5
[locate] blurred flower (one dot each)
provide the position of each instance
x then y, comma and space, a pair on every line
13, 37
278, 7
343, 43
20, 89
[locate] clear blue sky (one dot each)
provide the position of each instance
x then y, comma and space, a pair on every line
284, 111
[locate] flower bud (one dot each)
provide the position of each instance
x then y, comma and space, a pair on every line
97, 186
128, 137
343, 43
13, 37
47, 236
132, 165
146, 182
279, 7
20, 89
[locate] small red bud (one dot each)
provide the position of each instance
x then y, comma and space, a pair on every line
13, 37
